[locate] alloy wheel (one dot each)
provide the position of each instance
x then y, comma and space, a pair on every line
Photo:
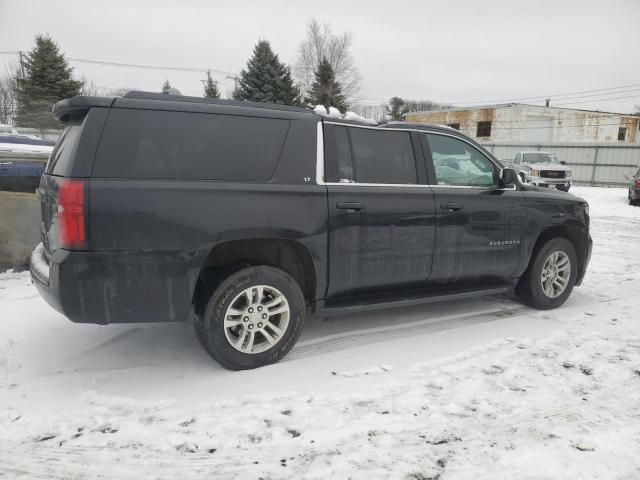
556, 273
256, 319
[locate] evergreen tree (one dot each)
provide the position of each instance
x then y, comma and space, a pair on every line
211, 88
396, 108
166, 86
325, 90
44, 78
266, 79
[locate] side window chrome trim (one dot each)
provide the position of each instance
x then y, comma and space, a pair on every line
356, 184
493, 189
320, 157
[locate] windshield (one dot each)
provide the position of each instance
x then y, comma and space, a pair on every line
540, 158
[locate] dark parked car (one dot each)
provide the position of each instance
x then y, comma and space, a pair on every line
244, 216
20, 175
14, 139
634, 189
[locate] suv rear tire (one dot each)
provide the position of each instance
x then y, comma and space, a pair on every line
252, 319
551, 275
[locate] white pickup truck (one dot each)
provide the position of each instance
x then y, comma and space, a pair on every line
541, 169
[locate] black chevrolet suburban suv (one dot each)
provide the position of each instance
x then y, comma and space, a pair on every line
245, 216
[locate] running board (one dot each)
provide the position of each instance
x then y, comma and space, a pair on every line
440, 294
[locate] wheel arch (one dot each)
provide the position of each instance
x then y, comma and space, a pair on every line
574, 234
231, 256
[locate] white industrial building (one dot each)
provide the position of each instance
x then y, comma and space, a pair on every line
522, 123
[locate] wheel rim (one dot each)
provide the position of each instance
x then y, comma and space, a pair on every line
256, 319
556, 272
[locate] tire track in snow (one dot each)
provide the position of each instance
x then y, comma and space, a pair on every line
382, 334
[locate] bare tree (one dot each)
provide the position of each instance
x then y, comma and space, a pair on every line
118, 92
424, 105
89, 88
370, 111
321, 43
8, 101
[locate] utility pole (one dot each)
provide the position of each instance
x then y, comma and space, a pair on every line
235, 80
21, 64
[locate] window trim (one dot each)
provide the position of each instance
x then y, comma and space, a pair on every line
320, 160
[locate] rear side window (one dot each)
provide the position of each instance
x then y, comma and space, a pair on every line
61, 159
183, 145
364, 155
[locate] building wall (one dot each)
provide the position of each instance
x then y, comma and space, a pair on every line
537, 124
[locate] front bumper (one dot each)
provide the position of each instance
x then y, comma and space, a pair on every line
585, 264
115, 287
549, 182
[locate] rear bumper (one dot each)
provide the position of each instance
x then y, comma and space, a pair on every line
115, 287
634, 194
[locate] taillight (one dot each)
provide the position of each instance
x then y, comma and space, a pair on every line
71, 214
638, 183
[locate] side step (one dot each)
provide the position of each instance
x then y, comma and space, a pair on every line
366, 303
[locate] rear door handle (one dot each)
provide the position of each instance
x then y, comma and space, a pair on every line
355, 206
451, 206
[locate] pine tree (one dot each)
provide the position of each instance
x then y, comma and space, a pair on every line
44, 78
325, 90
211, 88
266, 79
166, 86
396, 109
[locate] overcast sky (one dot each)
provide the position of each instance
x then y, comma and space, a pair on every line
450, 51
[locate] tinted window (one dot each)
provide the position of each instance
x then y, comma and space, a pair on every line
158, 144
458, 163
365, 155
337, 155
61, 158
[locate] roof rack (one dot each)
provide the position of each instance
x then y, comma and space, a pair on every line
140, 95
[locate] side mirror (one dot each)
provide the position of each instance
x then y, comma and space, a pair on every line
562, 162
509, 177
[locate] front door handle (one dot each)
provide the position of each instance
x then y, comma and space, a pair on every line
353, 206
451, 206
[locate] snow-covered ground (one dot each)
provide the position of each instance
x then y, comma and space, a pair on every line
476, 389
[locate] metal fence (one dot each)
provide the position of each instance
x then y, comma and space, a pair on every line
591, 163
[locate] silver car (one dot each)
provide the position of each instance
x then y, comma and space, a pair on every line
541, 169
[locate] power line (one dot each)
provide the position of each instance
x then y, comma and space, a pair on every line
136, 65
600, 100
567, 96
151, 67
552, 96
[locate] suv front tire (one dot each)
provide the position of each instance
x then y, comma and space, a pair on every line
551, 275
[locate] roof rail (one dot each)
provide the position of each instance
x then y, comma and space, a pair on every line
168, 97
